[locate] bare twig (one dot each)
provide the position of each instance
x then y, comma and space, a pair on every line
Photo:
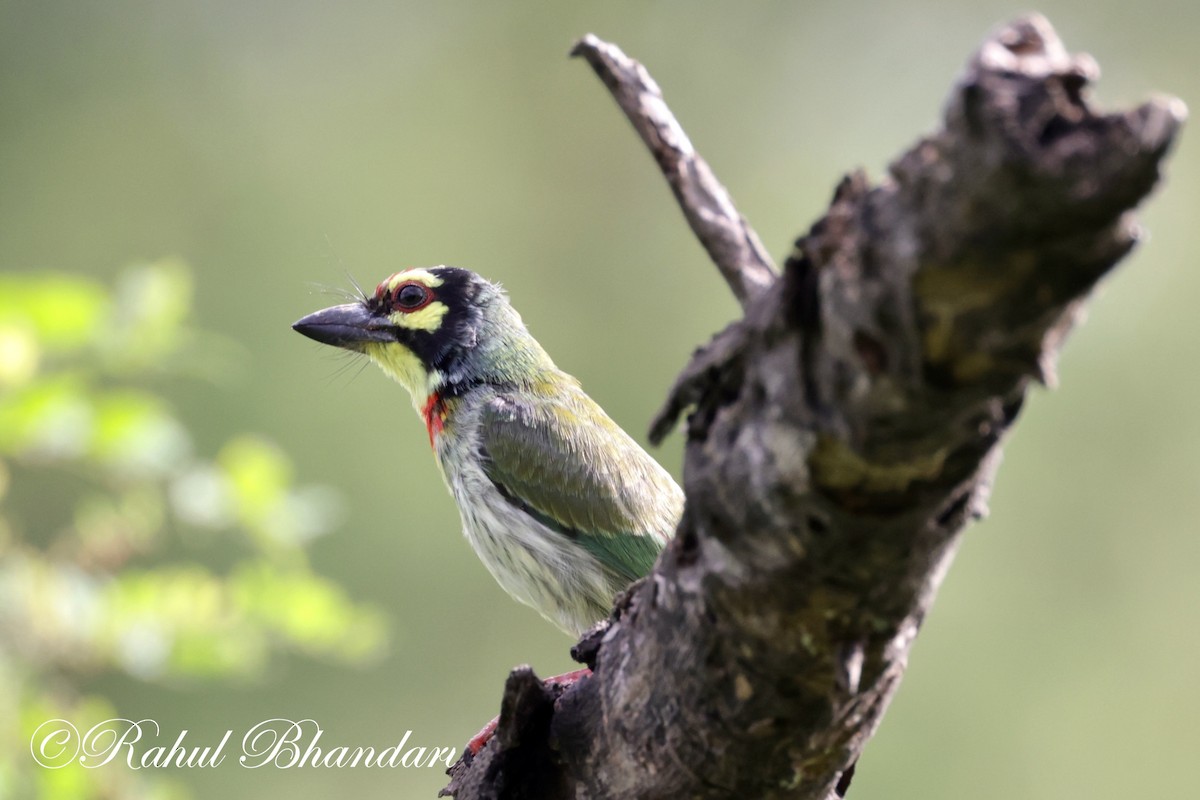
730, 241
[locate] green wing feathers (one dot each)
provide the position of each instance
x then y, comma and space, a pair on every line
569, 465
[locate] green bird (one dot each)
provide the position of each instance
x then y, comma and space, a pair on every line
563, 507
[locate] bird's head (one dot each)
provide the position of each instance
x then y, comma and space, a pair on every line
440, 329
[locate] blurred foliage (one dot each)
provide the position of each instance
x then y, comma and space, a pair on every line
122, 582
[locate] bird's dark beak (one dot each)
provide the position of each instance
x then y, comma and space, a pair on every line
348, 326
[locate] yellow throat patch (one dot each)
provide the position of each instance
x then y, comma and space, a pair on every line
404, 367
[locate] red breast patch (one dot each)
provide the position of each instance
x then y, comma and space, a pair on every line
435, 416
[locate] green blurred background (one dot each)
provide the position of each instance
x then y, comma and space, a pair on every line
272, 146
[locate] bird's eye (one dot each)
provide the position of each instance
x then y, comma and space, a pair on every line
412, 296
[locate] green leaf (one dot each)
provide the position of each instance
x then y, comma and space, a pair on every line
49, 418
134, 434
152, 303
310, 611
20, 353
63, 311
259, 474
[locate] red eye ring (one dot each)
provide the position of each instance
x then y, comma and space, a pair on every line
407, 301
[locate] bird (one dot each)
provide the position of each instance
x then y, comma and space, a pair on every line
562, 506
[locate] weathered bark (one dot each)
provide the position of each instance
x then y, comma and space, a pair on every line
843, 434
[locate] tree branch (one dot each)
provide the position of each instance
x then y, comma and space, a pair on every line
843, 433
729, 240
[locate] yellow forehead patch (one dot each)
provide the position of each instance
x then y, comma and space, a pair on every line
421, 275
428, 318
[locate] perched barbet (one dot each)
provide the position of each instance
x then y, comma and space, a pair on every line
562, 506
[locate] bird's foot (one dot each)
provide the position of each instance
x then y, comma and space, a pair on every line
479, 740
483, 737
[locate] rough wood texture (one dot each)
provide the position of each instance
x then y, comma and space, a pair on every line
843, 433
